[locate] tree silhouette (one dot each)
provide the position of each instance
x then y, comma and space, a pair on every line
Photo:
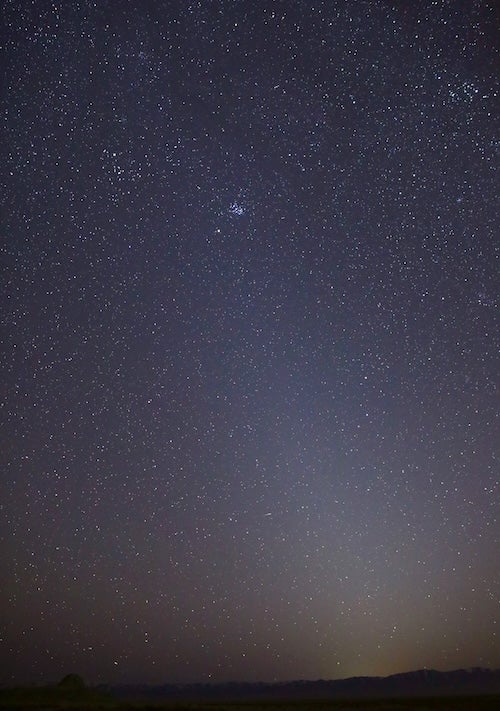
72, 681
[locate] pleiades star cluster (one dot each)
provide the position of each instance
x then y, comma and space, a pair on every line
249, 339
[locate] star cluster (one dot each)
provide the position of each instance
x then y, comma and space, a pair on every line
249, 339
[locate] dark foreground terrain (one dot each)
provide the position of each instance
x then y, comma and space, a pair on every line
53, 699
423, 690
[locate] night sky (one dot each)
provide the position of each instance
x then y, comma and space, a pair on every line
249, 339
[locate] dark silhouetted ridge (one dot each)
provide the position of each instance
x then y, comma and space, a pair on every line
424, 682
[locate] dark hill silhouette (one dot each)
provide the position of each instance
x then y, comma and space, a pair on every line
424, 682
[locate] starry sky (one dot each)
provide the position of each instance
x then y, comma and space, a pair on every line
249, 339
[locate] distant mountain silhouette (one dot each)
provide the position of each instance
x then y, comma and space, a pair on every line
424, 682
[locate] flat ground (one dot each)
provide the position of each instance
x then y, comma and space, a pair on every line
53, 699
